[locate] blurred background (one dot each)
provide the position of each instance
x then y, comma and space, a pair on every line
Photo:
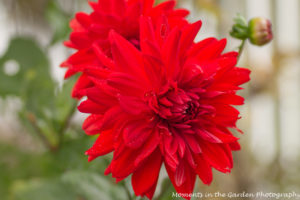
41, 142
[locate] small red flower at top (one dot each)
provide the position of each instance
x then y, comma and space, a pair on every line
165, 101
90, 32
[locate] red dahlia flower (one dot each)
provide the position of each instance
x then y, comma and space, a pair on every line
90, 32
169, 102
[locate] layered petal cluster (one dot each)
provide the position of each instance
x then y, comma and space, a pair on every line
166, 101
89, 35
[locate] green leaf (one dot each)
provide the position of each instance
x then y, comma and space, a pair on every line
33, 65
92, 186
46, 189
32, 82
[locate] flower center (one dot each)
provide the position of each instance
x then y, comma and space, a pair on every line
192, 110
174, 106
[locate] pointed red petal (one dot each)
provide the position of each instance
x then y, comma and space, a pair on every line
188, 35
103, 145
123, 165
146, 176
217, 157
179, 175
92, 125
79, 89
203, 170
126, 56
89, 106
188, 186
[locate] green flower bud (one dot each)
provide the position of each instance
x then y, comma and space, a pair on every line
240, 28
260, 31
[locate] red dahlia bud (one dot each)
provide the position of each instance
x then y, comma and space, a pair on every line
260, 31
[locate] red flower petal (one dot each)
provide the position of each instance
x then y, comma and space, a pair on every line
92, 125
102, 146
187, 186
217, 157
135, 134
126, 55
148, 148
145, 178
89, 106
188, 35
123, 165
79, 89
203, 170
170, 52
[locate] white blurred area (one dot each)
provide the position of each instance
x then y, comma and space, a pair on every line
5, 30
265, 127
273, 115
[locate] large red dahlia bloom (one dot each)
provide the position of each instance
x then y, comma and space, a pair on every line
168, 102
90, 32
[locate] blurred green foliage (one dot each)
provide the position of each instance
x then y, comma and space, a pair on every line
58, 170
58, 20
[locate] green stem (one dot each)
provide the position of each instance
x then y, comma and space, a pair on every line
66, 124
165, 187
32, 120
127, 192
241, 49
